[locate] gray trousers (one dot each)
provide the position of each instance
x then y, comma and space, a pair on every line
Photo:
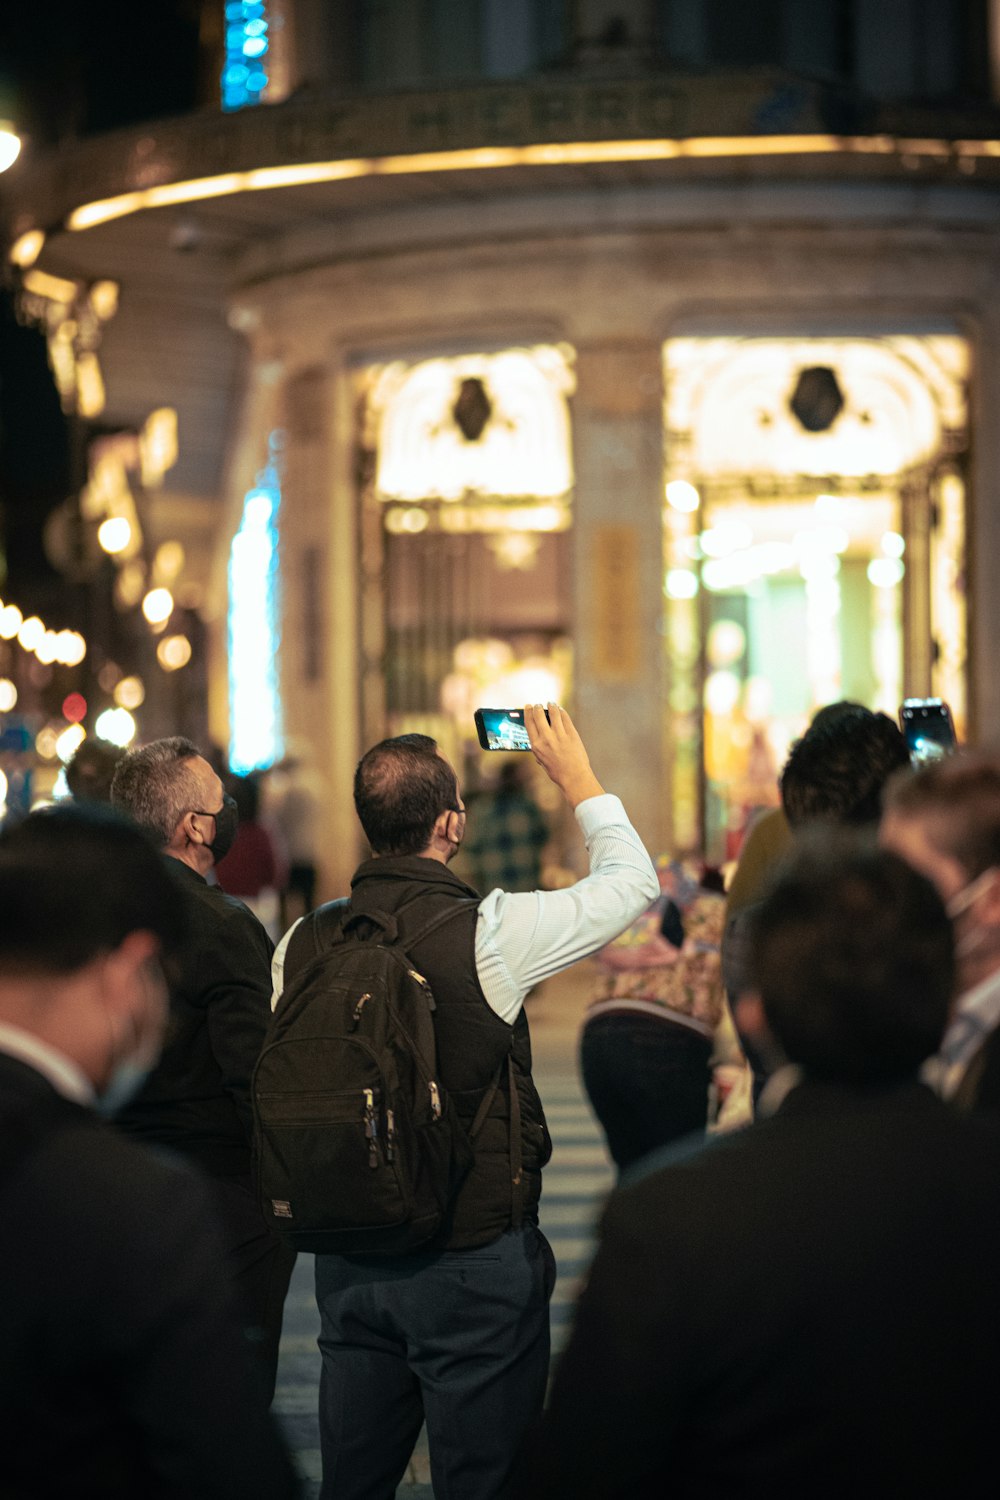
457, 1338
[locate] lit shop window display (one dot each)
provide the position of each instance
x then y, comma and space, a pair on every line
814, 549
466, 508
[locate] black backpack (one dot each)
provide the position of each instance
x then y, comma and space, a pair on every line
357, 1147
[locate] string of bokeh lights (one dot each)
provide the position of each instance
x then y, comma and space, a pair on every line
66, 648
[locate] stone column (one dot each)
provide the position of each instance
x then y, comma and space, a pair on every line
618, 573
983, 545
319, 608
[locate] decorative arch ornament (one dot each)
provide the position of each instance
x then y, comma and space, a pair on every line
729, 405
517, 447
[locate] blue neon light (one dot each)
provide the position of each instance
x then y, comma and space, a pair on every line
255, 729
246, 41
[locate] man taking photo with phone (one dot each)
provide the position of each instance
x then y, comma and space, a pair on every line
457, 1334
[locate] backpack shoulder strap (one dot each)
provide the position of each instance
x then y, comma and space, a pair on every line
387, 924
313, 935
455, 909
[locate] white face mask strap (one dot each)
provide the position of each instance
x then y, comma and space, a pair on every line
969, 894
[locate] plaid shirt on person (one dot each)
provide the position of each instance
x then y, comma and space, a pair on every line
504, 842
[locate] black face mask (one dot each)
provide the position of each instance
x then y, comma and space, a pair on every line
226, 821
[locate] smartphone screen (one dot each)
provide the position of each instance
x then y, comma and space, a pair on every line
502, 729
927, 728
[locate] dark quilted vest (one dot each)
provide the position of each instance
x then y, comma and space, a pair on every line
475, 1046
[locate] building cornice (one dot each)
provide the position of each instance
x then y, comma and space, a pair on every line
681, 124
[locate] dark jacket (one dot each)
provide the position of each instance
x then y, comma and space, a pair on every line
197, 1100
123, 1373
473, 1043
810, 1306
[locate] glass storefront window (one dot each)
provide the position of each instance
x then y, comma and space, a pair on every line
821, 556
466, 508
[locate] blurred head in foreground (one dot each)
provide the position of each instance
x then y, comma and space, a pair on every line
90, 921
853, 960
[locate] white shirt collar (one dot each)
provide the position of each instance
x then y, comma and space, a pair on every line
65, 1076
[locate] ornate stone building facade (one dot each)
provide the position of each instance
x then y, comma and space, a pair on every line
667, 389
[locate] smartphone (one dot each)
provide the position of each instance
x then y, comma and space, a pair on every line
927, 728
502, 728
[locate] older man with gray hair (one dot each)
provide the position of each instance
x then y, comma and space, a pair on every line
197, 1100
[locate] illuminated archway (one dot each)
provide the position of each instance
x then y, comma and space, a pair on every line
465, 508
810, 554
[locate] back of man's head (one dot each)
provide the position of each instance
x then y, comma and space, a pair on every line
957, 800
837, 770
155, 786
401, 787
853, 957
75, 881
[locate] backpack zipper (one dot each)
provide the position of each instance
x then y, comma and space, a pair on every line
358, 1009
435, 1100
424, 986
371, 1127
390, 1135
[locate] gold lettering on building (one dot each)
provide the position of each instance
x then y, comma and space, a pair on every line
615, 620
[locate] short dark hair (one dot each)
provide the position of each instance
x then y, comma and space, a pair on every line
91, 770
74, 882
837, 770
155, 787
852, 953
959, 800
401, 788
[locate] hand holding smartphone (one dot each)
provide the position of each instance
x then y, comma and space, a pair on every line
928, 729
551, 736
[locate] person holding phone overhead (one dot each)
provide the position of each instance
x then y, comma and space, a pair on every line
458, 1333
927, 728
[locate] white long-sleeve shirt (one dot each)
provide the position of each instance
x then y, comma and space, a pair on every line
524, 937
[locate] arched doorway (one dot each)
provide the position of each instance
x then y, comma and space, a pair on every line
466, 478
814, 549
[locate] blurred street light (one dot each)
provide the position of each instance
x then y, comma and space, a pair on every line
117, 726
10, 145
114, 534
158, 606
174, 652
130, 692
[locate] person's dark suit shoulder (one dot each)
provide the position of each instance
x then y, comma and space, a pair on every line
121, 1340
815, 1295
213, 912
